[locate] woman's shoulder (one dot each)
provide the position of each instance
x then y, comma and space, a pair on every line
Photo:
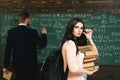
69, 43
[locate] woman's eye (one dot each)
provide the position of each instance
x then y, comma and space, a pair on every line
81, 28
76, 26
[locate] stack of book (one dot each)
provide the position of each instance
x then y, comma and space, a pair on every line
90, 59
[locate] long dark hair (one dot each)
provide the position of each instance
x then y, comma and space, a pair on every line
80, 41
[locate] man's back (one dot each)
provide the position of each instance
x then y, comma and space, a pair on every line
23, 41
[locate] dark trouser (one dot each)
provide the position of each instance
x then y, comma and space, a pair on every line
26, 75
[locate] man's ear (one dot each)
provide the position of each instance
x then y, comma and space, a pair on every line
27, 20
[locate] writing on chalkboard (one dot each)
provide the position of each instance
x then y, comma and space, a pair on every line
105, 26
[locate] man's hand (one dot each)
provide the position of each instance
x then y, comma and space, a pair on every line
5, 70
44, 31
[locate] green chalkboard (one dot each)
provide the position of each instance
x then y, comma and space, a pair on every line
106, 33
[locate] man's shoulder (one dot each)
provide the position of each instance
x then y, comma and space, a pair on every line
31, 29
17, 28
12, 29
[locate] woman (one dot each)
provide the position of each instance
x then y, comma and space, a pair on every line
75, 35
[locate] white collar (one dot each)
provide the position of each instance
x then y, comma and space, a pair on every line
22, 24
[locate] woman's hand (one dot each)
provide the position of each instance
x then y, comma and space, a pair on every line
88, 34
91, 72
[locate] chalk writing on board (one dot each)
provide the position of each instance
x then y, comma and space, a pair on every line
105, 28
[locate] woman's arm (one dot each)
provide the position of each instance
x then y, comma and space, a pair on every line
73, 63
88, 34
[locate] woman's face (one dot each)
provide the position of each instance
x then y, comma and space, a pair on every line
78, 29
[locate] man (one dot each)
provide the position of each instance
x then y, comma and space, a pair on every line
21, 45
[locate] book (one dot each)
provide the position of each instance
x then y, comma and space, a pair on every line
90, 59
88, 64
7, 75
88, 50
84, 48
92, 68
90, 56
92, 52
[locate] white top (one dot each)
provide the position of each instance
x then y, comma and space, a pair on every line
72, 60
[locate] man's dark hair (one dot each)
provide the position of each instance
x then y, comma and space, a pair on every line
23, 16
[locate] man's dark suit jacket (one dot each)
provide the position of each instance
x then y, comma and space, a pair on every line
21, 44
